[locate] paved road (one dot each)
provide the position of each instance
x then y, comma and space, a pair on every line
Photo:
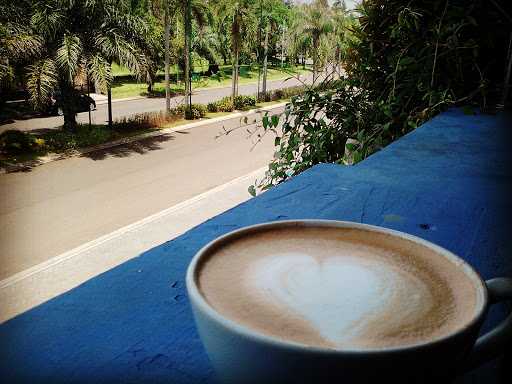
63, 204
130, 107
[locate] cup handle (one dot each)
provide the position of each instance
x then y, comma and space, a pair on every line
493, 343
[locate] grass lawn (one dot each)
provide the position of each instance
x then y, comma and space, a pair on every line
123, 88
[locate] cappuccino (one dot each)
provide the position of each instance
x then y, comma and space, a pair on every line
338, 288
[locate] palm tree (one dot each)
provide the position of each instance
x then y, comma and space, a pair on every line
17, 42
81, 38
240, 14
316, 24
273, 15
189, 11
299, 44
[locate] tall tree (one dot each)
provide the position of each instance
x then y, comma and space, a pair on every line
273, 16
190, 11
239, 14
316, 24
68, 49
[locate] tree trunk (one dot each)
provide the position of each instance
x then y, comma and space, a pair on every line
68, 104
167, 38
187, 75
265, 61
235, 74
282, 49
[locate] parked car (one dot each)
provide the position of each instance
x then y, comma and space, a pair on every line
54, 108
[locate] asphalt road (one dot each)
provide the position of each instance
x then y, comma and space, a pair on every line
63, 204
140, 105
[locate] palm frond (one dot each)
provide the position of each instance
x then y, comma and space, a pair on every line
68, 55
42, 81
100, 71
20, 42
47, 19
114, 46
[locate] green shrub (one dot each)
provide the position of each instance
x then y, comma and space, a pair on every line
196, 112
16, 142
225, 104
264, 97
212, 107
278, 94
244, 102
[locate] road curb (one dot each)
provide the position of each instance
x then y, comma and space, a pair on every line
127, 140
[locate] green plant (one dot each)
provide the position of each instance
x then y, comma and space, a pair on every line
13, 142
405, 63
244, 102
212, 107
225, 105
196, 111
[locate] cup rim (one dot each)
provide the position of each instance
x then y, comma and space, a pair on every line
246, 332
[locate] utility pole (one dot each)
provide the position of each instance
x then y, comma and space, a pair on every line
109, 101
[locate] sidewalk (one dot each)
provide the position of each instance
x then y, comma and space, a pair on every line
42, 282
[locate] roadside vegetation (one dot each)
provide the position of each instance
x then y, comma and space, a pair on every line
128, 46
404, 64
18, 147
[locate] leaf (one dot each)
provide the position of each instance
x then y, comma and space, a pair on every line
252, 190
277, 141
265, 121
275, 120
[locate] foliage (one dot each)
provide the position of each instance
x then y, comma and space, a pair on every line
241, 102
62, 53
405, 63
195, 111
225, 105
283, 93
14, 142
212, 107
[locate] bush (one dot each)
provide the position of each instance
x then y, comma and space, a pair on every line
278, 94
225, 105
196, 112
212, 107
244, 102
16, 142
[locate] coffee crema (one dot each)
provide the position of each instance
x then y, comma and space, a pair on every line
339, 288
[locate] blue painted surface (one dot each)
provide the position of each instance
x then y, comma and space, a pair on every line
448, 182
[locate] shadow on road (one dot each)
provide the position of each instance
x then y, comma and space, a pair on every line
140, 147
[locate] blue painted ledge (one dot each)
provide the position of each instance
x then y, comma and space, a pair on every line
448, 182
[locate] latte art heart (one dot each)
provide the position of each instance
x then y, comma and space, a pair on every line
339, 297
337, 288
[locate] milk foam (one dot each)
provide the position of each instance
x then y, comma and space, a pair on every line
338, 288
339, 296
